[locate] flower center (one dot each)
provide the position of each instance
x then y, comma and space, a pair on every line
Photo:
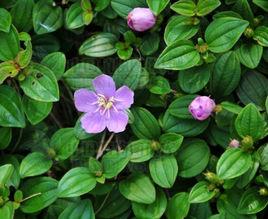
104, 102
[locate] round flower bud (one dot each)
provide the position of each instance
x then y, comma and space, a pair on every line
141, 19
234, 143
201, 107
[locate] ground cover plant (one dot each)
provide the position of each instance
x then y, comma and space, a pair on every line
140, 109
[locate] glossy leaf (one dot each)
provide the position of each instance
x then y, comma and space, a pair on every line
11, 114
194, 79
192, 157
223, 33
47, 17
5, 137
138, 188
128, 74
178, 206
145, 124
64, 143
233, 163
180, 28
178, 56
5, 21
164, 170
36, 111
57, 67
123, 7
170, 142
76, 182
43, 190
200, 193
140, 150
40, 84
225, 75
157, 6
250, 122
99, 45
184, 7
34, 164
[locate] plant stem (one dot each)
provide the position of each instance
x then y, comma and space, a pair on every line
103, 148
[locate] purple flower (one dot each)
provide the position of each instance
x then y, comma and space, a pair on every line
201, 107
141, 19
106, 107
234, 143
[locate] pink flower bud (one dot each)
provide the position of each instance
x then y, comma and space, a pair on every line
141, 19
234, 143
201, 107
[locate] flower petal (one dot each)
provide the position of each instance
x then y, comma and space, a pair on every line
104, 85
124, 98
117, 121
93, 122
84, 100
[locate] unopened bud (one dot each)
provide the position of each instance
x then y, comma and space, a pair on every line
234, 143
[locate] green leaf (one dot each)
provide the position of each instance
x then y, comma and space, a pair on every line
34, 164
9, 44
261, 35
43, 192
233, 163
47, 17
250, 122
128, 74
164, 170
145, 124
64, 143
159, 85
225, 75
200, 193
11, 113
179, 107
114, 162
5, 22
6, 172
24, 56
7, 211
194, 79
178, 56
80, 210
180, 28
184, 7
101, 5
123, 7
81, 75
99, 45
204, 7
114, 205
178, 206
150, 44
222, 33
138, 188
7, 69
250, 55
140, 150
193, 157
263, 153
253, 88
246, 178
57, 67
231, 107
152, 211
36, 111
76, 182
252, 202
40, 84
262, 4
5, 137
157, 6
170, 142
74, 16
185, 127
22, 15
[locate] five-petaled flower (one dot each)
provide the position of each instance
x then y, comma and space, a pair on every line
106, 107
